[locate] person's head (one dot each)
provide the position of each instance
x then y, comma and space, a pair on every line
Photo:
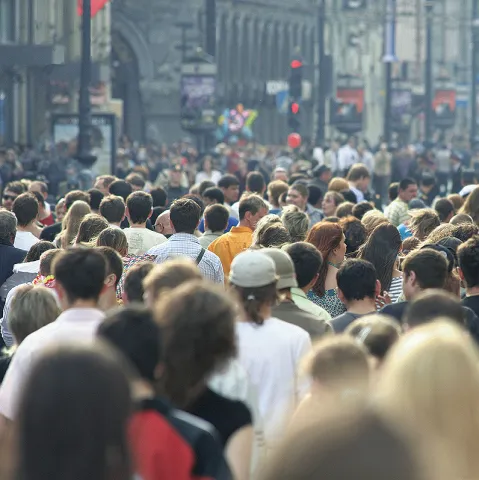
307, 263
357, 281
296, 222
112, 208
359, 176
338, 184
90, 227
40, 187
213, 195
354, 232
468, 257
31, 309
168, 276
465, 231
25, 208
427, 182
198, 200
345, 209
206, 164
456, 200
423, 269
120, 188
378, 333
253, 278
8, 226
407, 189
184, 215
79, 276
423, 222
443, 231
461, 218
271, 235
103, 183
298, 195
134, 332
96, 196
382, 249
198, 323
432, 304
46, 261
72, 220
338, 367
284, 269
360, 209
329, 240
114, 271
323, 173
204, 185
252, 209
393, 191
159, 197
75, 445
60, 210
163, 224
276, 188
372, 219
255, 183
280, 173
73, 196
430, 385
330, 203
445, 210
114, 238
216, 218
136, 181
471, 205
37, 250
139, 207
175, 176
133, 290
10, 193
315, 196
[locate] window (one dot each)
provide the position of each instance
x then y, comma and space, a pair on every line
7, 21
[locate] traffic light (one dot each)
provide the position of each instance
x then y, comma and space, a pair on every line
294, 111
296, 79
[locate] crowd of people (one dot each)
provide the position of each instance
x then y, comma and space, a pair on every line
242, 315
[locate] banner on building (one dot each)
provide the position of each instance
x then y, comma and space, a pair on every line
401, 108
65, 130
354, 4
96, 6
444, 107
347, 108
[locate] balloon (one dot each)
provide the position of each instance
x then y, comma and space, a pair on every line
294, 140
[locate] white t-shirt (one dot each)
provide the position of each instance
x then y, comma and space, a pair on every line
214, 177
72, 326
25, 240
140, 240
271, 354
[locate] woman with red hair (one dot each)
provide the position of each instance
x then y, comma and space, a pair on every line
329, 239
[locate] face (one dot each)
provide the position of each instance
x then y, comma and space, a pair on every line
254, 219
35, 187
409, 286
326, 176
207, 165
163, 225
281, 176
208, 201
363, 184
340, 252
8, 199
328, 206
100, 185
408, 194
295, 198
231, 193
175, 177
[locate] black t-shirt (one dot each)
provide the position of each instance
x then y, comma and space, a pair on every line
472, 303
226, 415
49, 233
341, 322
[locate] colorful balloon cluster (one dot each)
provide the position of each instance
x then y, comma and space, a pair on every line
236, 124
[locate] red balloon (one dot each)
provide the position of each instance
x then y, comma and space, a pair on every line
294, 140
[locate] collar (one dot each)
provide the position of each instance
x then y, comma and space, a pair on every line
295, 291
239, 229
210, 232
183, 237
75, 314
4, 241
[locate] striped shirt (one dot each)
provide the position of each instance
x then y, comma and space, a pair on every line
187, 245
395, 290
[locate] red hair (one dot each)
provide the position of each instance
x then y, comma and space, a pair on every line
326, 237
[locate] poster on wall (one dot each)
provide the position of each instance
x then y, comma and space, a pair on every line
401, 109
444, 107
103, 139
348, 107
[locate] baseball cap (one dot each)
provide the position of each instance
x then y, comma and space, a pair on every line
284, 267
251, 269
416, 203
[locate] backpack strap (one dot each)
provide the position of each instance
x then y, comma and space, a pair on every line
200, 256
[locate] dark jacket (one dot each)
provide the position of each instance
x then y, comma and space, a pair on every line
9, 256
49, 233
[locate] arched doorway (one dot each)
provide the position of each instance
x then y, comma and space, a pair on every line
126, 87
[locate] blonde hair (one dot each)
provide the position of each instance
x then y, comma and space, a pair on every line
263, 224
31, 309
113, 237
90, 227
296, 222
471, 205
423, 222
372, 219
338, 184
430, 383
71, 223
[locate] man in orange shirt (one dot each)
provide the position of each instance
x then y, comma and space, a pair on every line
251, 209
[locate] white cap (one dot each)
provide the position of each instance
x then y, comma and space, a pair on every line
251, 269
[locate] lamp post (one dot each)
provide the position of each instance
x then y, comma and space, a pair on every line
474, 69
428, 73
210, 12
320, 134
389, 58
84, 155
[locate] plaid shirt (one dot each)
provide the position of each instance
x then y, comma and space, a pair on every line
186, 245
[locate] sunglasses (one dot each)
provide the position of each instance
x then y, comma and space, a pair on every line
9, 197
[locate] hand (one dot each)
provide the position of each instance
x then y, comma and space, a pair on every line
384, 300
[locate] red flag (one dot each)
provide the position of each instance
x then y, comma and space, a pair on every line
96, 6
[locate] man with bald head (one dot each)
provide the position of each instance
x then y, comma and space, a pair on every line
163, 224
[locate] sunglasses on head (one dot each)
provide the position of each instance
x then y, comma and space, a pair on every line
9, 197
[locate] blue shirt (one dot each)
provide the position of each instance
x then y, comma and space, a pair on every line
404, 231
232, 222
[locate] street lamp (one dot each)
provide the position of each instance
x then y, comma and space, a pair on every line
474, 69
428, 74
321, 118
389, 58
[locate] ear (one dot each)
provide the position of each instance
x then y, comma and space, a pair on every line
110, 280
341, 296
461, 273
127, 213
378, 288
151, 212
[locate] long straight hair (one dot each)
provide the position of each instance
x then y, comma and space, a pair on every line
382, 249
326, 237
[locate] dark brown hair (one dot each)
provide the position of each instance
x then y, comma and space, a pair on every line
252, 299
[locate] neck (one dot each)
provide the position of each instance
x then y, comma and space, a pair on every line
82, 304
141, 389
26, 228
361, 307
108, 300
137, 225
116, 224
243, 223
471, 292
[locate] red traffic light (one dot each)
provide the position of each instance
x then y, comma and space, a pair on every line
295, 108
296, 64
